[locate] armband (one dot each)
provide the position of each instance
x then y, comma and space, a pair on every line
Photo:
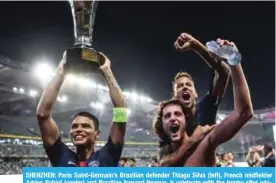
120, 115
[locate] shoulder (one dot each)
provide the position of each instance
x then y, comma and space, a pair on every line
60, 155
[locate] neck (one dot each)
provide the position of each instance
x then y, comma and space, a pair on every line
176, 145
84, 152
193, 110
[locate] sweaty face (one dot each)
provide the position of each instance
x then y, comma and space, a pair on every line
174, 122
83, 131
184, 90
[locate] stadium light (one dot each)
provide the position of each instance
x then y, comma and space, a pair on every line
134, 96
43, 71
142, 98
71, 78
92, 84
86, 83
62, 98
102, 87
148, 99
126, 94
81, 81
21, 90
14, 89
97, 105
33, 93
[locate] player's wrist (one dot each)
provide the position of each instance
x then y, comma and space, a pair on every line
192, 140
105, 69
196, 45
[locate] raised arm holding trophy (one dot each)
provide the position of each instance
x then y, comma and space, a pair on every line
81, 59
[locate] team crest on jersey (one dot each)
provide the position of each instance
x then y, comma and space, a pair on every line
94, 163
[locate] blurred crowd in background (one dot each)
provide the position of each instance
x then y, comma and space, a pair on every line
14, 157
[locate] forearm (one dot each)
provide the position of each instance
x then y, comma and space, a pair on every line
178, 157
50, 94
242, 113
118, 129
215, 63
115, 91
242, 99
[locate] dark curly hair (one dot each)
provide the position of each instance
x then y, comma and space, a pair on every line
157, 122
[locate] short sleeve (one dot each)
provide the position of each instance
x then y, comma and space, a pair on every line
110, 154
56, 152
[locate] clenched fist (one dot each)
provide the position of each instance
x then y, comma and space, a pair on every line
185, 42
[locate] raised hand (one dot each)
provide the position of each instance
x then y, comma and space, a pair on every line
185, 42
104, 62
201, 131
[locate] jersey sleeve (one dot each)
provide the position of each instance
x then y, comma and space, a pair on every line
206, 111
57, 152
111, 154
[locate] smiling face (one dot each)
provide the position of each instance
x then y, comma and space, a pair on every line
173, 122
83, 131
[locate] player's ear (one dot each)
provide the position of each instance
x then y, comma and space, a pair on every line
98, 133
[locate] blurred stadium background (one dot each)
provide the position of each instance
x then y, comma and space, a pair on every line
20, 145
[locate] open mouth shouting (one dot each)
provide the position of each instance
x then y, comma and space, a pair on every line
175, 135
186, 97
174, 128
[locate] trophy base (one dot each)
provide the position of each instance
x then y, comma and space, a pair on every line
82, 60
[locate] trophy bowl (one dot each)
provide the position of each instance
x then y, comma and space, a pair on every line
82, 58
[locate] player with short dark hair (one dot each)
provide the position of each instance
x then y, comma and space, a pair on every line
85, 126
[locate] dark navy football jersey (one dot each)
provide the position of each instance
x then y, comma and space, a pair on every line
206, 110
61, 156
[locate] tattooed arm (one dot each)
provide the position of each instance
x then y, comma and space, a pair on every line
48, 128
117, 133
